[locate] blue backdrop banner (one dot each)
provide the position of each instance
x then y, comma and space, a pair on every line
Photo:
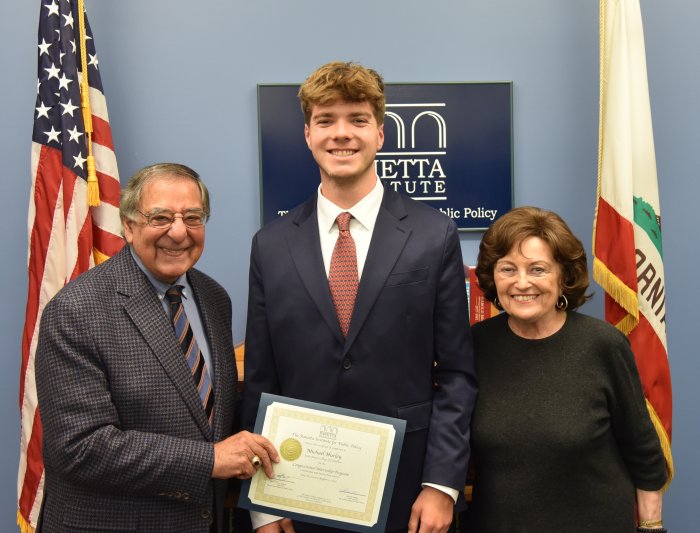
446, 144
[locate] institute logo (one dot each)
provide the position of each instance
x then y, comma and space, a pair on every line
328, 432
415, 145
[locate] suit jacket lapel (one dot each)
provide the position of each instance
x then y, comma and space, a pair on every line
391, 232
304, 245
146, 312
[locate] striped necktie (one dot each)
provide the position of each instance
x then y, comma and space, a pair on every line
342, 276
195, 360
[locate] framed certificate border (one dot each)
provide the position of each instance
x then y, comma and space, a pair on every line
399, 427
448, 145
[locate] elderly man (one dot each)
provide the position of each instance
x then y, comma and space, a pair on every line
136, 377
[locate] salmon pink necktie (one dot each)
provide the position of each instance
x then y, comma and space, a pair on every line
342, 275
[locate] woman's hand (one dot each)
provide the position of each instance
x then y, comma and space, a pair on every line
649, 505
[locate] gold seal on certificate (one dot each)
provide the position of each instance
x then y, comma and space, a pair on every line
335, 466
290, 449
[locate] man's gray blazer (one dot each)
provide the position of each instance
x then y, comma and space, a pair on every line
127, 446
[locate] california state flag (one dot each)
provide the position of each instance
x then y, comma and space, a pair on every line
628, 257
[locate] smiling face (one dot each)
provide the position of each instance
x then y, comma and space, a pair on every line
167, 253
344, 138
528, 284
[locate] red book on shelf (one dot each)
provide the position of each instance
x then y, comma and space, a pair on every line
479, 307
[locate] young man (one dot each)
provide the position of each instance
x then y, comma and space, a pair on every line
137, 428
373, 318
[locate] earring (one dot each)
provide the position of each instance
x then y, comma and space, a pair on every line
562, 303
497, 304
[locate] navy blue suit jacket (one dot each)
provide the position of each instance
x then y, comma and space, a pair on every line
408, 352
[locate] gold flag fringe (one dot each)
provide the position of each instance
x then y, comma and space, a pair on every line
98, 256
93, 185
621, 293
24, 526
665, 443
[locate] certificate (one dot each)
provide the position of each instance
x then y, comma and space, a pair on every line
337, 466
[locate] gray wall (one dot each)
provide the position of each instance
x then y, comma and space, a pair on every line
180, 79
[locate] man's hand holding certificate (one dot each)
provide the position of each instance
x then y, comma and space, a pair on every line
336, 465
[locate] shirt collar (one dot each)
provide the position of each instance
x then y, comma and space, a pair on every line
365, 211
161, 286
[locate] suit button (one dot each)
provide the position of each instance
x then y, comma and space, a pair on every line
206, 514
347, 363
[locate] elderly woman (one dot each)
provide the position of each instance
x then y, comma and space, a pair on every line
562, 440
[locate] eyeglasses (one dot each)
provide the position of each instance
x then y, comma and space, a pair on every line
164, 219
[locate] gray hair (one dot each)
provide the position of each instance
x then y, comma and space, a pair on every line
131, 194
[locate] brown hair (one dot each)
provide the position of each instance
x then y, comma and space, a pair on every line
338, 80
522, 222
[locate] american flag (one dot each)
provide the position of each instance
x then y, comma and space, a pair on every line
66, 235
